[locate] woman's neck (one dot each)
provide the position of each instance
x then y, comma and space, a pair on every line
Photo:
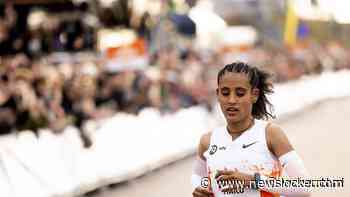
239, 127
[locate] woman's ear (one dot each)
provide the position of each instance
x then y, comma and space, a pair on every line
217, 91
255, 94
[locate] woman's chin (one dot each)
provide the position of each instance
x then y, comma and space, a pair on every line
232, 118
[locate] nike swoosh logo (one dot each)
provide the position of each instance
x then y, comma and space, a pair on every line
247, 145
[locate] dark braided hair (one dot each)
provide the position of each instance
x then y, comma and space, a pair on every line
258, 79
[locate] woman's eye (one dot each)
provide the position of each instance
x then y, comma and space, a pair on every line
240, 93
225, 92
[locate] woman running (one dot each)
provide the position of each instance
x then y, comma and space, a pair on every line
236, 159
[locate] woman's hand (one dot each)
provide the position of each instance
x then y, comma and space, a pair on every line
202, 192
239, 179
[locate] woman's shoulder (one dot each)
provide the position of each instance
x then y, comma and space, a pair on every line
277, 139
273, 129
205, 139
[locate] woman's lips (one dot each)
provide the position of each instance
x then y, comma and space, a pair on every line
232, 110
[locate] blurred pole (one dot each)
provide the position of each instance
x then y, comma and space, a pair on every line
346, 34
291, 25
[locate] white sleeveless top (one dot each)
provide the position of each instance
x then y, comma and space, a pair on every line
248, 153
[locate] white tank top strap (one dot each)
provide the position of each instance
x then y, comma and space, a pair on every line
261, 130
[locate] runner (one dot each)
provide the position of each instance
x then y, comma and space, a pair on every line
232, 159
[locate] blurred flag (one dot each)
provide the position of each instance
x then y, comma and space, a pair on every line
291, 25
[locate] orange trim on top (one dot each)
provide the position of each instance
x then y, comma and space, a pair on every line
268, 194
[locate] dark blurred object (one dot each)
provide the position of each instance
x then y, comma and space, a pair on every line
183, 24
7, 115
191, 3
118, 14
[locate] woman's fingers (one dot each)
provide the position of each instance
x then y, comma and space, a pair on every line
202, 192
198, 194
225, 175
226, 172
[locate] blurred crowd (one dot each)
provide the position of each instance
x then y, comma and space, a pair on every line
37, 91
44, 93
36, 32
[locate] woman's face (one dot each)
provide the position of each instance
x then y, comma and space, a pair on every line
235, 96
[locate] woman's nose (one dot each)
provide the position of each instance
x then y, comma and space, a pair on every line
232, 99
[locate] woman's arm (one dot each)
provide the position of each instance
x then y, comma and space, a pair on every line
200, 168
200, 165
291, 162
277, 141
